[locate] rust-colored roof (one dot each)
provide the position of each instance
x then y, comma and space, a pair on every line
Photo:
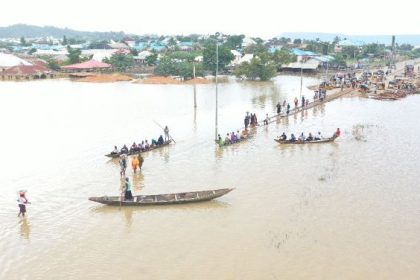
24, 70
91, 64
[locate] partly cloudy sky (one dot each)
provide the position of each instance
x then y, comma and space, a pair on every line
262, 18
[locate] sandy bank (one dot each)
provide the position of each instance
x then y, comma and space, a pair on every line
160, 80
105, 78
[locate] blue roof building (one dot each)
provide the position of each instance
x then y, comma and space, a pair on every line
140, 46
299, 52
157, 47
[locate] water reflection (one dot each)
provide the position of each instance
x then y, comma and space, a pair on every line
25, 228
113, 161
128, 213
218, 152
266, 91
195, 120
202, 206
138, 182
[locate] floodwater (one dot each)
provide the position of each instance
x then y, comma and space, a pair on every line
343, 210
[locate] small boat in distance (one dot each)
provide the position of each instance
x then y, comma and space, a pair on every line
162, 199
130, 153
324, 140
233, 143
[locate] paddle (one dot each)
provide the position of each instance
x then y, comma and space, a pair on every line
163, 130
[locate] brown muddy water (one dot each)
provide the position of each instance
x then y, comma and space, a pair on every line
343, 210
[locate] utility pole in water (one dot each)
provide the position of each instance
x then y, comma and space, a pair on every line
217, 93
195, 94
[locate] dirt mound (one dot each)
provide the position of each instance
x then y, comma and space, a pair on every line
390, 95
105, 78
197, 81
158, 80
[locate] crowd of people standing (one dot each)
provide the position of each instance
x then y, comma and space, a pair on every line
251, 120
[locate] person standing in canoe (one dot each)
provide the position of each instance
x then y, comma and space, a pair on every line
166, 130
246, 120
337, 133
254, 121
128, 189
22, 201
278, 108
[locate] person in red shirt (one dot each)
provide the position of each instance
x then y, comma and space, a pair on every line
337, 133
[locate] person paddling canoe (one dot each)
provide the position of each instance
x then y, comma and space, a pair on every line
128, 188
166, 130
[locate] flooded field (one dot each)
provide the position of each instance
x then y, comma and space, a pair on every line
342, 210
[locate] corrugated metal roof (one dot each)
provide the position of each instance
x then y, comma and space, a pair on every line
24, 70
300, 52
91, 64
297, 65
10, 60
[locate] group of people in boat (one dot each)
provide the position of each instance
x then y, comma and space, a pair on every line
232, 138
310, 136
141, 147
144, 145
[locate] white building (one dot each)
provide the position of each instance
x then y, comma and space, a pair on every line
247, 41
99, 54
237, 57
10, 60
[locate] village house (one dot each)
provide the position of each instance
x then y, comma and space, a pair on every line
87, 66
140, 59
13, 67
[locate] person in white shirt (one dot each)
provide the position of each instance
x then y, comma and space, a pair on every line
302, 137
166, 130
319, 136
22, 201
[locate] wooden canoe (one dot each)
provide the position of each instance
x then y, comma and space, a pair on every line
230, 144
325, 140
117, 155
162, 199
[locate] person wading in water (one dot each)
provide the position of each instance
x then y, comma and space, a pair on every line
22, 201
